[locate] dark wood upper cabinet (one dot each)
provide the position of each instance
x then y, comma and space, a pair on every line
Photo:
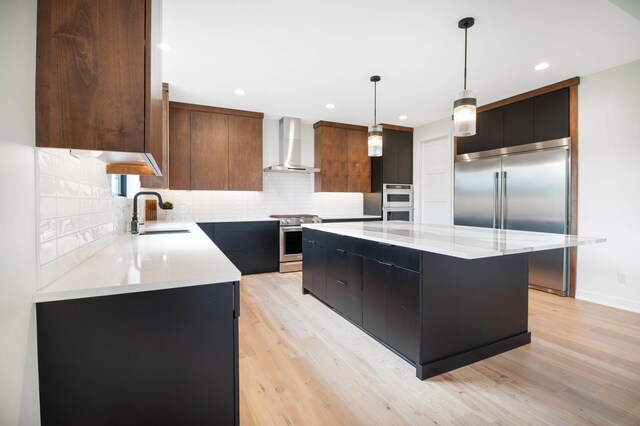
489, 129
340, 152
551, 116
214, 148
209, 151
180, 148
98, 81
518, 123
245, 153
405, 157
163, 159
359, 173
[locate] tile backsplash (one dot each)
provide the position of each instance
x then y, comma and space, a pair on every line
283, 193
77, 214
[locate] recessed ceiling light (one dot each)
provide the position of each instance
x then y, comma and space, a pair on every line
541, 66
402, 117
165, 47
330, 106
239, 92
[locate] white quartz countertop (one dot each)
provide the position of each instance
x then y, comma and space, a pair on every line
465, 242
135, 263
235, 219
357, 216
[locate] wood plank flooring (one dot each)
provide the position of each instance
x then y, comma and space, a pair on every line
303, 364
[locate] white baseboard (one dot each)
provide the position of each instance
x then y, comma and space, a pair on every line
604, 299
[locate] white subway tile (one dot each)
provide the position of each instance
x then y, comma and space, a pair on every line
48, 273
48, 251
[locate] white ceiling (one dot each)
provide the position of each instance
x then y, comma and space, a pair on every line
294, 56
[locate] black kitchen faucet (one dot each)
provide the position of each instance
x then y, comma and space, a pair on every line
134, 219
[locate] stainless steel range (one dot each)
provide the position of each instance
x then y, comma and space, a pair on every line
291, 239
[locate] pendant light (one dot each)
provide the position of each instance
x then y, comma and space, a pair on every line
375, 131
464, 106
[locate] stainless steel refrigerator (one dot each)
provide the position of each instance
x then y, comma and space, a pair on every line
525, 188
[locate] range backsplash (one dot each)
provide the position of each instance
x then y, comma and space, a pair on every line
284, 193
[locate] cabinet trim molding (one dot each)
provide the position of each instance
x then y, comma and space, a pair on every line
396, 127
339, 125
532, 93
218, 110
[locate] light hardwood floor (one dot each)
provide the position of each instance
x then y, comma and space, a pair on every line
302, 364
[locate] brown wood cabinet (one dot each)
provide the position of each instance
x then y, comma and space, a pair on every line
98, 81
341, 154
163, 159
214, 148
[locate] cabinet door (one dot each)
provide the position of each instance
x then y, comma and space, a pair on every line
331, 151
466, 144
180, 148
374, 297
209, 151
90, 75
405, 157
403, 310
245, 153
161, 154
390, 156
490, 129
308, 261
518, 123
319, 271
551, 116
359, 173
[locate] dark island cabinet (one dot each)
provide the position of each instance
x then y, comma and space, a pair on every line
344, 283
437, 312
403, 312
391, 306
252, 246
374, 298
164, 357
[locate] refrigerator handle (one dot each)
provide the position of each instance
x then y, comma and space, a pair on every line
495, 197
503, 200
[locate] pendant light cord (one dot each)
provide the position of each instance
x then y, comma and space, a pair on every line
375, 102
465, 58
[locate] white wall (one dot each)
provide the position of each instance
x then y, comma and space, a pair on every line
18, 368
609, 186
433, 172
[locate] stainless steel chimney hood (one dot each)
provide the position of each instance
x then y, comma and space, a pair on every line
290, 148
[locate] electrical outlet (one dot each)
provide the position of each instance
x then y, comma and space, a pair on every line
622, 277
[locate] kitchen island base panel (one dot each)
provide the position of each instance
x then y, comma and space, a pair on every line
469, 304
435, 368
158, 357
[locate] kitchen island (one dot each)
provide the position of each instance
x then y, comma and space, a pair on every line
143, 332
439, 296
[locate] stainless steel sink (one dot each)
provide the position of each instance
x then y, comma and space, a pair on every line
165, 231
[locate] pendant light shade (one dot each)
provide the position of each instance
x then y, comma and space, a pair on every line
375, 132
464, 105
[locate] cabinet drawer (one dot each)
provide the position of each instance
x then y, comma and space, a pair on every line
314, 235
207, 228
248, 226
344, 243
345, 266
344, 297
395, 255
